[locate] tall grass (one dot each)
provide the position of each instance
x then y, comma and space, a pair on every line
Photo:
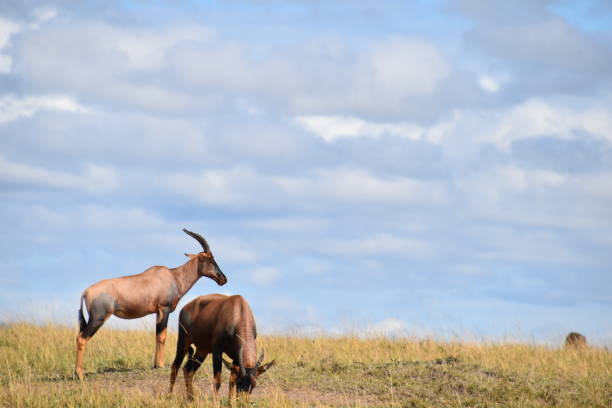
36, 365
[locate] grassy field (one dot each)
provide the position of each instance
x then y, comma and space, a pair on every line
36, 365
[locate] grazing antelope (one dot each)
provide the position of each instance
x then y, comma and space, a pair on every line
575, 340
156, 290
219, 324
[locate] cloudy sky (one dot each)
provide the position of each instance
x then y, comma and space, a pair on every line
429, 167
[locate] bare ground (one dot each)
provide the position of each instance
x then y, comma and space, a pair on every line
155, 382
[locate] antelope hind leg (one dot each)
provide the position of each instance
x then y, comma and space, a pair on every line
97, 317
231, 393
81, 342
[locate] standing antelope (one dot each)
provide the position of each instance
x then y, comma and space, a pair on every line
219, 324
156, 290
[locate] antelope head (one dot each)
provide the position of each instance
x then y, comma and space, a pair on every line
207, 266
246, 378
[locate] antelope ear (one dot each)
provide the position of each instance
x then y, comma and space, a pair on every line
190, 256
227, 364
263, 368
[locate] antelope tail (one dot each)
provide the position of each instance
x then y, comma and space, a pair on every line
82, 322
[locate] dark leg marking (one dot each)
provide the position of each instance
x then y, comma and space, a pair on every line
162, 322
160, 336
189, 370
217, 365
194, 362
101, 309
181, 350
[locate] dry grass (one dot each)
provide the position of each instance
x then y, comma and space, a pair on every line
36, 365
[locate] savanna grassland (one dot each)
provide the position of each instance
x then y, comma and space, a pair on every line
36, 365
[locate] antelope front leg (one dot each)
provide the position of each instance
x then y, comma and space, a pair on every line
161, 332
231, 394
217, 364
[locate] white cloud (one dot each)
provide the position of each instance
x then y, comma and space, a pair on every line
400, 67
332, 128
347, 185
147, 50
119, 224
538, 197
234, 250
489, 83
514, 244
98, 218
520, 180
388, 77
388, 327
538, 117
471, 127
395, 328
287, 315
244, 186
12, 108
91, 179
44, 14
290, 224
7, 29
468, 270
264, 275
236, 186
550, 43
67, 56
115, 137
249, 107
466, 129
379, 244
190, 68
5, 63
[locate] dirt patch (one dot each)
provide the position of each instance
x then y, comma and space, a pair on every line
155, 382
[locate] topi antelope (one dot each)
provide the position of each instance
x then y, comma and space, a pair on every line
156, 290
219, 324
575, 340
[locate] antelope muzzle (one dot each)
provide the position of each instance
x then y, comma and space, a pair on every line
219, 277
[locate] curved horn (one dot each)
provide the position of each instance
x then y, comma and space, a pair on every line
261, 358
198, 238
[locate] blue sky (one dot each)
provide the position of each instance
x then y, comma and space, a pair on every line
391, 167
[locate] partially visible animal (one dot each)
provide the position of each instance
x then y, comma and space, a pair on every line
575, 340
219, 324
156, 290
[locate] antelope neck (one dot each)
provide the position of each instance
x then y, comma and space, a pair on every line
186, 275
